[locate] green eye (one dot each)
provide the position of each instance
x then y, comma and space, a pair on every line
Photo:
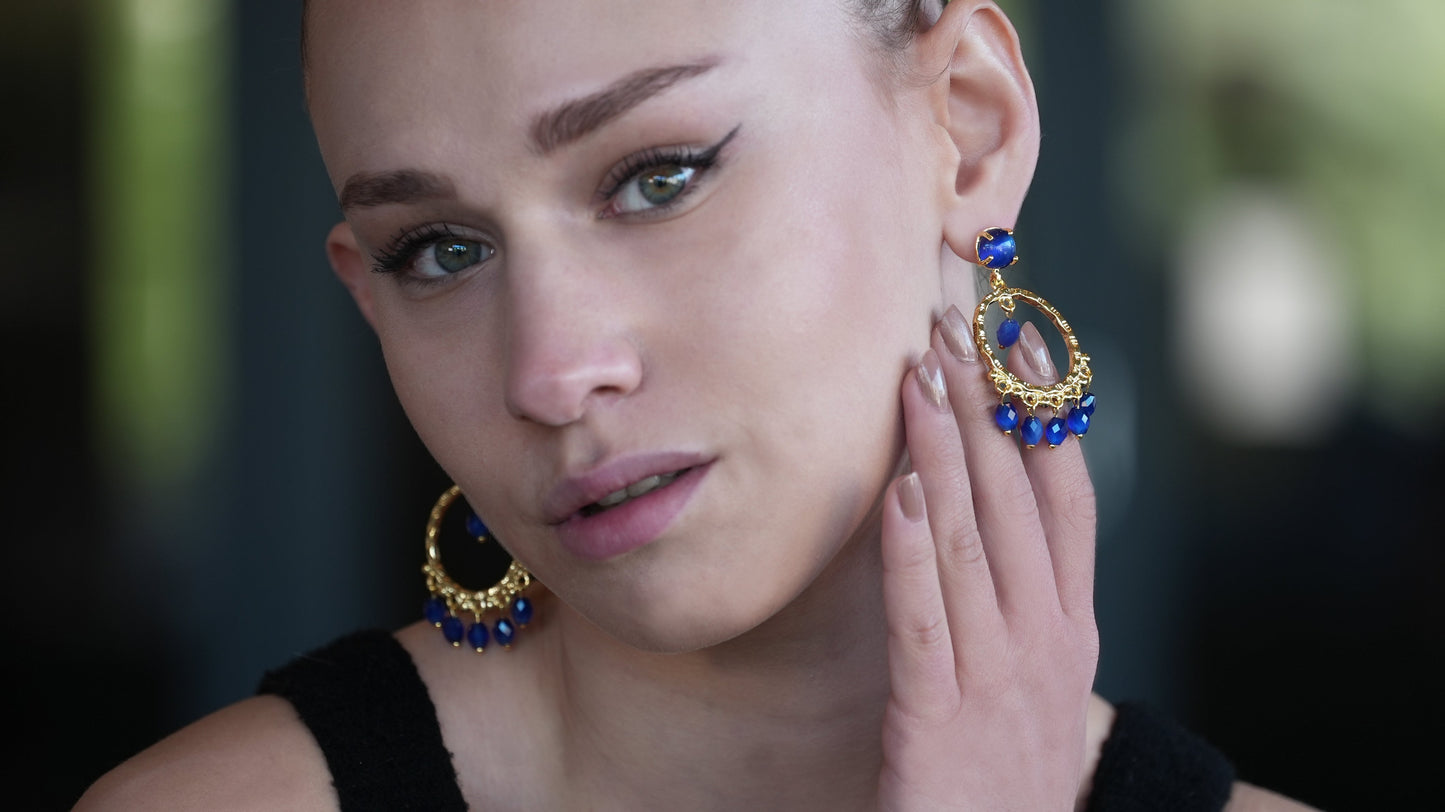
661, 185
452, 256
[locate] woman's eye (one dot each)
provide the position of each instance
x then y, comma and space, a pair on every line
451, 256
653, 188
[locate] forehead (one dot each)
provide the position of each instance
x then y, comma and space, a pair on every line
379, 69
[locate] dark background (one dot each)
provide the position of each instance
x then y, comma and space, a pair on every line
1281, 599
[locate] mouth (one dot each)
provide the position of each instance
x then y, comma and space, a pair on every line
626, 505
641, 487
617, 483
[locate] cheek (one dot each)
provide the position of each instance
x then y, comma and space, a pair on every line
836, 286
441, 369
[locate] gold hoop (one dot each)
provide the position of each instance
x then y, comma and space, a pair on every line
504, 597
1069, 389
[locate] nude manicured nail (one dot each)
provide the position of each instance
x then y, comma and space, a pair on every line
930, 378
910, 497
1036, 353
955, 335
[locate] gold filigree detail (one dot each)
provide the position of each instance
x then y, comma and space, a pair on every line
459, 599
1074, 384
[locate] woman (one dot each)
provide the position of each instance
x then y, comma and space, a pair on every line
704, 242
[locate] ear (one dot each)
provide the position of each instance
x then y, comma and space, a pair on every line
351, 268
984, 102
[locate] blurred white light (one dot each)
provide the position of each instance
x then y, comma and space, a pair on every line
1265, 335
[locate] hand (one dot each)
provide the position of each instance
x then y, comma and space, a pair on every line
988, 568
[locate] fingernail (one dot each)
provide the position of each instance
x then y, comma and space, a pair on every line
955, 335
910, 497
1036, 353
930, 377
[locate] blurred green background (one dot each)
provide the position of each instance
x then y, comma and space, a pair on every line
1238, 206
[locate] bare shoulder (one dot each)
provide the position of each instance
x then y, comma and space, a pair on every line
255, 754
1249, 798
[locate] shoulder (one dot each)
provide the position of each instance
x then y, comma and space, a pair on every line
1249, 798
255, 754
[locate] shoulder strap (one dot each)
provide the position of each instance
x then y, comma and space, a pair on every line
371, 714
1151, 762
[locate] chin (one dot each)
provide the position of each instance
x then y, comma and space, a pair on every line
682, 622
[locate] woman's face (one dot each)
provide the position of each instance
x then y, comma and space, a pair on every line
631, 238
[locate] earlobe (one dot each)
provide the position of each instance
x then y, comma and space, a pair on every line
984, 102
351, 268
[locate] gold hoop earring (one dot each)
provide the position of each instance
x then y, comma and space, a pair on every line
996, 249
449, 600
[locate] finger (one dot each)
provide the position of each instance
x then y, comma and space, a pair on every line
921, 662
936, 452
1062, 488
1003, 499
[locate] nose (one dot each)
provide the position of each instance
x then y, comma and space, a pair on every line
570, 346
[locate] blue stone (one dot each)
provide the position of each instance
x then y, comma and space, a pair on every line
1086, 404
522, 611
1055, 432
1006, 416
1078, 422
475, 526
1008, 333
997, 249
1031, 431
453, 629
477, 637
505, 631
435, 610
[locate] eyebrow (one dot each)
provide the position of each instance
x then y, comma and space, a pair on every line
366, 189
555, 128
575, 119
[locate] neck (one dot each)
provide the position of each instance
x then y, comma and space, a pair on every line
787, 715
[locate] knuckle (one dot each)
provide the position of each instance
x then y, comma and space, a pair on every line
1017, 492
914, 556
1079, 514
925, 632
963, 544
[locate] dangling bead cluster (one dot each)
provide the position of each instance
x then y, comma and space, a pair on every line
1073, 420
1070, 399
449, 602
476, 634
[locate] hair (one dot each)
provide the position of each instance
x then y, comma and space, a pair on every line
892, 23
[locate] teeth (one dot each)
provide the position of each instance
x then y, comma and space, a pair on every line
636, 489
613, 498
639, 488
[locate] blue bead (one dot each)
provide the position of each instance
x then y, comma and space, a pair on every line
453, 629
1078, 422
1055, 432
475, 526
522, 611
1031, 431
1008, 333
477, 636
435, 610
1086, 404
1006, 416
996, 248
505, 631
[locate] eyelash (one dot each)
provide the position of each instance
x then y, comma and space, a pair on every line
402, 250
634, 165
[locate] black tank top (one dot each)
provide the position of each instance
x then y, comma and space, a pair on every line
371, 714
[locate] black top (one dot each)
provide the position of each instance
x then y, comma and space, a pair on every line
371, 714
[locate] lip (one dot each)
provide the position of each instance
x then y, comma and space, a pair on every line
632, 524
574, 493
